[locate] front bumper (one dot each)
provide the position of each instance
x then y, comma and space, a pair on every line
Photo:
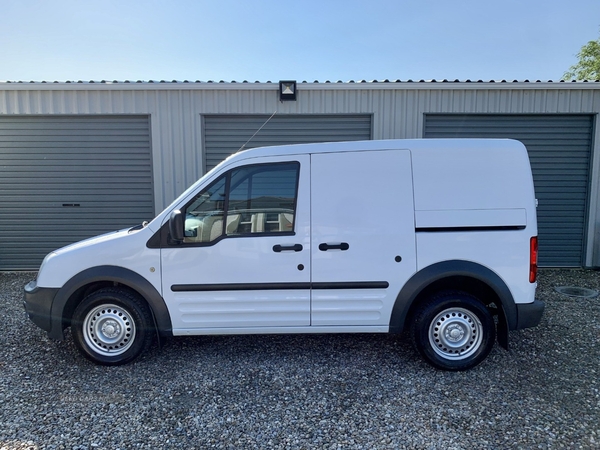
38, 304
529, 314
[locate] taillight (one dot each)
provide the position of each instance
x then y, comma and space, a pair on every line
533, 257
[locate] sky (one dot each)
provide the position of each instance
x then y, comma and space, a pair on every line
268, 40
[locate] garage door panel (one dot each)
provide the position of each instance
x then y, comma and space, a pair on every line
548, 173
226, 134
67, 178
60, 138
18, 182
559, 149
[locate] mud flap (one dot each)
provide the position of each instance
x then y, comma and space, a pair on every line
502, 331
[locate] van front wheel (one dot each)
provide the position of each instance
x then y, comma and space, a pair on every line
453, 331
112, 326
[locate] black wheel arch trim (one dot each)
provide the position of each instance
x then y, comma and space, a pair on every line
455, 268
115, 274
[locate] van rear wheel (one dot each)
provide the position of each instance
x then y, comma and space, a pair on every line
112, 326
453, 331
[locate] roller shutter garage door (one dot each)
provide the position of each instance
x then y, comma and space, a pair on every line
226, 134
67, 178
559, 149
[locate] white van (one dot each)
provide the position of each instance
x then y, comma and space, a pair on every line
432, 236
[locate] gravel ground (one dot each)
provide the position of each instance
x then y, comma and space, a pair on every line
332, 391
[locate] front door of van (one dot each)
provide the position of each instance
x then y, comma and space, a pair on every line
363, 235
245, 259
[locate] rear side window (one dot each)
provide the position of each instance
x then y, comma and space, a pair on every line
250, 200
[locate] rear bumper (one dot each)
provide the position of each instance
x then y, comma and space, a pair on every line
38, 304
529, 314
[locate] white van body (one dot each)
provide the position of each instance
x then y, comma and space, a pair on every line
316, 238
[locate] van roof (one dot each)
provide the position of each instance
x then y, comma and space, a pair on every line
386, 144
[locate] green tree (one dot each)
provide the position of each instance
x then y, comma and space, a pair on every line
588, 64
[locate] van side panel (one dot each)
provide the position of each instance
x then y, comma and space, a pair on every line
475, 175
504, 252
476, 202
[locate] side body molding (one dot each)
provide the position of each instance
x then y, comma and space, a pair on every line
110, 274
458, 271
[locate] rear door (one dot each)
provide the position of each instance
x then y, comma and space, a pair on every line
362, 234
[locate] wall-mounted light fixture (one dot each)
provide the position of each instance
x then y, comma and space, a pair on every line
287, 90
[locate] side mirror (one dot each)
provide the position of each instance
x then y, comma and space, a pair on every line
176, 226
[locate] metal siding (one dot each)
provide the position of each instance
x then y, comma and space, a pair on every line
226, 134
559, 149
397, 109
101, 163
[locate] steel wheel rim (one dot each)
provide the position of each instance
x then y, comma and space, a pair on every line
456, 333
109, 330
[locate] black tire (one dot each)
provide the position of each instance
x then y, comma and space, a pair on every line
112, 326
453, 331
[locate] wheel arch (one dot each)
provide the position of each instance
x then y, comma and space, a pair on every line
95, 278
459, 275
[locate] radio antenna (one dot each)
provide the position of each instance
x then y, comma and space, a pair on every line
261, 127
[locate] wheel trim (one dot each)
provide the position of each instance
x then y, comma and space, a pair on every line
455, 334
109, 330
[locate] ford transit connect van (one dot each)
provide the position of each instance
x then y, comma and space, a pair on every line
436, 237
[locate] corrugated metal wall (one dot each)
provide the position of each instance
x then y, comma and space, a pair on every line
398, 111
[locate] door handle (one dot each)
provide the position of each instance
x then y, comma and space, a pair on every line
341, 246
287, 248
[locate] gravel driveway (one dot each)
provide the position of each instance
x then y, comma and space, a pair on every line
331, 391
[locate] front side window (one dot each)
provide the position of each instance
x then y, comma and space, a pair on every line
204, 216
245, 201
